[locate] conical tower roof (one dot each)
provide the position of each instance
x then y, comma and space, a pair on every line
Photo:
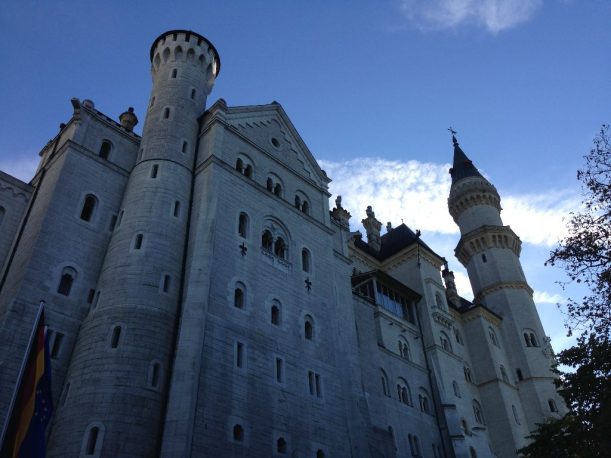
462, 166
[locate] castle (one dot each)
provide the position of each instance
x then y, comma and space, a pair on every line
203, 300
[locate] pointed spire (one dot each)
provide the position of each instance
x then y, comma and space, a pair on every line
462, 167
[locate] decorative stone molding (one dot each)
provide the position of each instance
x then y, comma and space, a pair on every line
470, 192
484, 238
481, 294
443, 319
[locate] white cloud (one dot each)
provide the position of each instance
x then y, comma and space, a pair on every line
417, 193
463, 285
493, 15
543, 297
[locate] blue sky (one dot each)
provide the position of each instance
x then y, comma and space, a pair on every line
371, 86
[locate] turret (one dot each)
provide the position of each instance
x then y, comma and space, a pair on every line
490, 252
118, 377
372, 226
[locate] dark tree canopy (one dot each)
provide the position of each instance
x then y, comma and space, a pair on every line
585, 253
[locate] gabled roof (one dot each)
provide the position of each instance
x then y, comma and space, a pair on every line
247, 117
463, 166
392, 242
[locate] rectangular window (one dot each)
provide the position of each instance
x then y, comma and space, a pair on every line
154, 171
176, 209
311, 382
138, 242
90, 296
55, 341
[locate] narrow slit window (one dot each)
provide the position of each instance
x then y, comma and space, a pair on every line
90, 296
176, 210
275, 315
167, 281
174, 73
243, 225
116, 336
484, 258
281, 446
311, 383
279, 370
193, 92
318, 385
155, 375
56, 346
92, 440
66, 281
239, 356
184, 147
113, 223
238, 433
138, 241
154, 171
166, 113
238, 298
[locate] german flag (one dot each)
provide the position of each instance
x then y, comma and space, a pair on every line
25, 435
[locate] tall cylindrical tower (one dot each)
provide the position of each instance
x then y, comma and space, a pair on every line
490, 252
115, 391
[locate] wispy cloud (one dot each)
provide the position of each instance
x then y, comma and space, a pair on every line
493, 15
543, 297
417, 193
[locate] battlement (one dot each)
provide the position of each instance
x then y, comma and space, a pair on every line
185, 45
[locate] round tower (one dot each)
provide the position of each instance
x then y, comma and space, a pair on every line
116, 387
490, 252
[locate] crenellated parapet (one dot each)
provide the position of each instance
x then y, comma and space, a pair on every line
485, 238
470, 192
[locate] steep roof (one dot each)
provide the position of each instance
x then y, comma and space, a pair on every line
463, 166
392, 242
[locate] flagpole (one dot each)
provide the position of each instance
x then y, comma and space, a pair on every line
24, 362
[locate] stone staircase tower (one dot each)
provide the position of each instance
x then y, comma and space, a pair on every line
115, 392
490, 252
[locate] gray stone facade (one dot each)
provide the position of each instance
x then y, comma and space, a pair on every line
203, 300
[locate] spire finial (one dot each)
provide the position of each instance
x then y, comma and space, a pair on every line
453, 132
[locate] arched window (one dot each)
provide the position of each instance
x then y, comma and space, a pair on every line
457, 336
280, 248
115, 337
515, 414
308, 327
384, 379
174, 73
472, 453
93, 441
456, 389
320, 454
238, 297
66, 281
166, 113
477, 412
403, 392
298, 202
2, 212
519, 374
404, 350
248, 171
269, 184
278, 189
552, 405
445, 342
105, 149
243, 225
305, 207
504, 374
239, 165
154, 374
305, 260
468, 376
238, 433
423, 400
275, 314
281, 446
89, 207
533, 340
414, 445
493, 338
267, 240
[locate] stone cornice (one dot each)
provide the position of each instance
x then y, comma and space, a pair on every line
444, 319
480, 311
470, 192
498, 286
484, 238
